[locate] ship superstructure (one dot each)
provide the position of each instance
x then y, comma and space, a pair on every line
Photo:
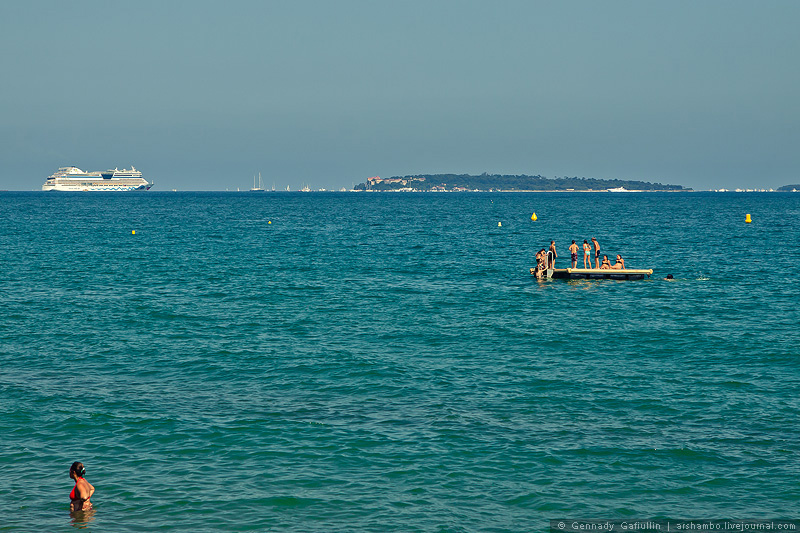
74, 179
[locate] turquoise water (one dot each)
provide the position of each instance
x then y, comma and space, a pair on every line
386, 362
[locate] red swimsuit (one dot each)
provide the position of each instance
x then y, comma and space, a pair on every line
72, 494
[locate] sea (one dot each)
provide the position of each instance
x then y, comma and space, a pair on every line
385, 362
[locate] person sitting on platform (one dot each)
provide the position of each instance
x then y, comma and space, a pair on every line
620, 264
606, 264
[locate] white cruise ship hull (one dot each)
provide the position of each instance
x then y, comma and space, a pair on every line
74, 179
94, 187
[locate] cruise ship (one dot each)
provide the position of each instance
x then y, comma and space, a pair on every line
75, 179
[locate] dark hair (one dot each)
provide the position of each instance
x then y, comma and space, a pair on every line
78, 468
573, 241
584, 241
669, 276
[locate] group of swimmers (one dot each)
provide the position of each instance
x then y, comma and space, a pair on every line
547, 259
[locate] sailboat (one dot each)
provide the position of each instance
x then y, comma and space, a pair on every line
259, 188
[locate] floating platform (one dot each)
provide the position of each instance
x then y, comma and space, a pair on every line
595, 273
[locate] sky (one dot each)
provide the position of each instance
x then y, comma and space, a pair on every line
202, 95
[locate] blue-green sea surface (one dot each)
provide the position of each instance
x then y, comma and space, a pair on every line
385, 362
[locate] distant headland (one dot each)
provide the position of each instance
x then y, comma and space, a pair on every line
789, 188
504, 182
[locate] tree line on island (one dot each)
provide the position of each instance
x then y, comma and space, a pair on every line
504, 182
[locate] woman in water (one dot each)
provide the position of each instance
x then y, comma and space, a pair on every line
587, 254
79, 498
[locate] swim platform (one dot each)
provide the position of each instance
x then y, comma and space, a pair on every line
596, 273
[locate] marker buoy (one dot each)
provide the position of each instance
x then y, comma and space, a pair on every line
270, 222
534, 217
499, 224
747, 218
133, 232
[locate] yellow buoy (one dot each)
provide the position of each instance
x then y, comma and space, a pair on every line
270, 222
747, 218
133, 232
534, 217
499, 224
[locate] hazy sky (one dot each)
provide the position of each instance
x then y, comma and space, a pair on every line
201, 95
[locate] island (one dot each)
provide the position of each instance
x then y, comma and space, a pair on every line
789, 188
505, 183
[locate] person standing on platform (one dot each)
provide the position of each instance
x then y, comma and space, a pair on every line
596, 252
587, 254
573, 249
553, 255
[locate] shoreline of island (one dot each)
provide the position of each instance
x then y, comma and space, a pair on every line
508, 183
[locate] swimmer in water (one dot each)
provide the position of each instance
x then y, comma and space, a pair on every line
79, 498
